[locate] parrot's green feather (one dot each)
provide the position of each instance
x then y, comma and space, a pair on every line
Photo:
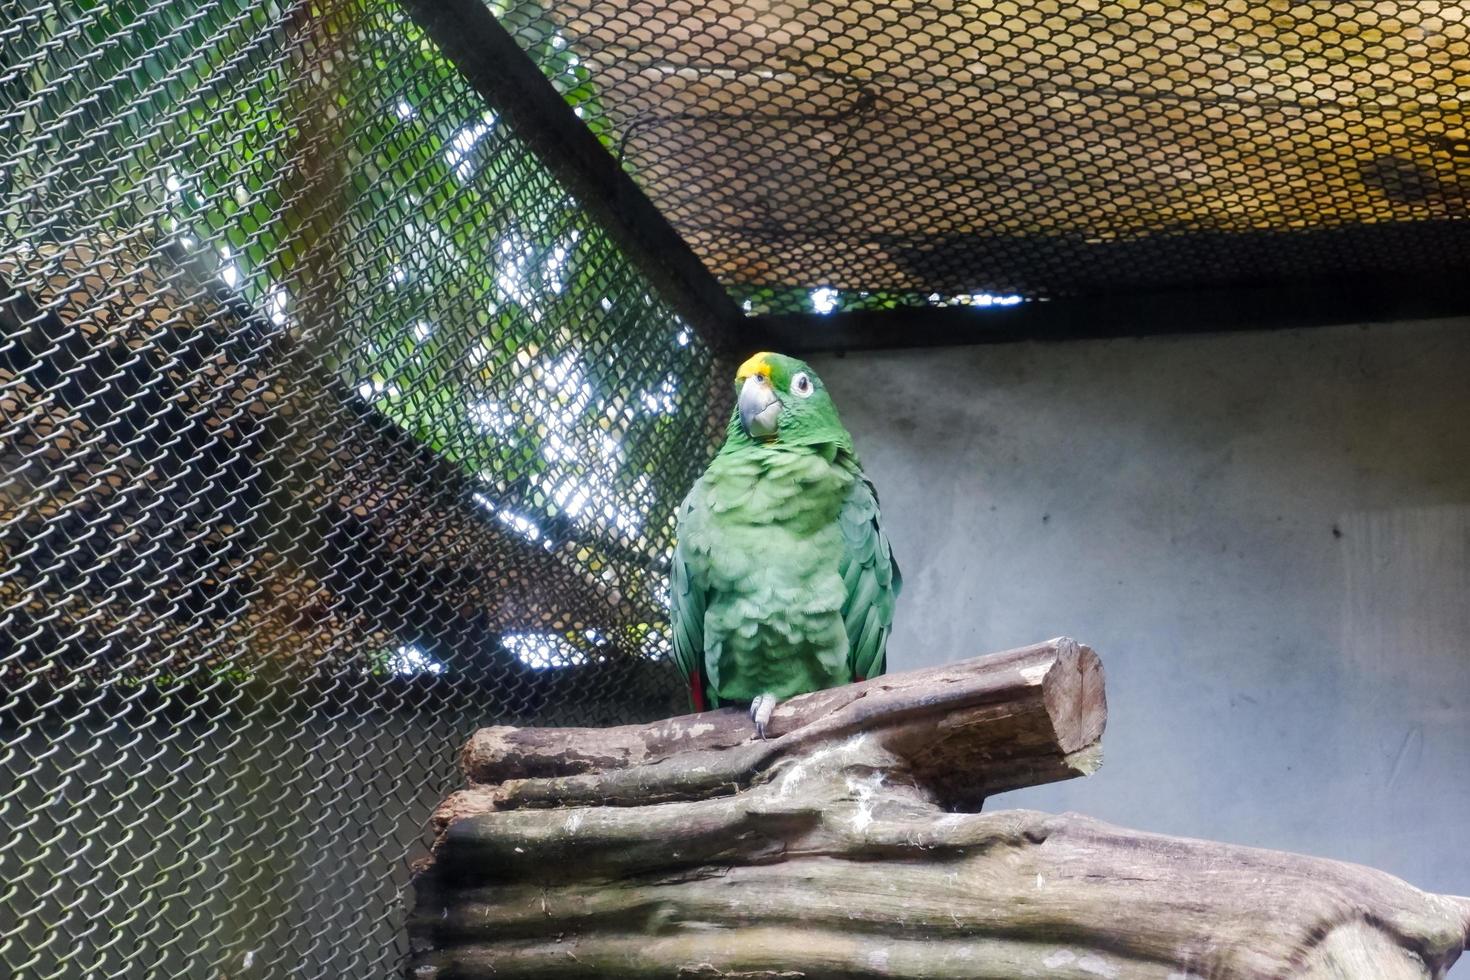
687, 616
782, 580
871, 578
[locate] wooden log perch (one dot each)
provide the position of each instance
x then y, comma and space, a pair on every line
847, 846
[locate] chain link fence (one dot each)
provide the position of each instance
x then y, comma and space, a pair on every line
331, 428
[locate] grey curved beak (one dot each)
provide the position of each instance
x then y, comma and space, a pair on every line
759, 407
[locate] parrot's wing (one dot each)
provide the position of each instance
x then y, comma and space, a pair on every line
686, 616
872, 580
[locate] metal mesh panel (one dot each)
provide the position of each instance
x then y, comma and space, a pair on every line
829, 155
331, 428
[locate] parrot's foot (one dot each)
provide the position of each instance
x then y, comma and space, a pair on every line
760, 712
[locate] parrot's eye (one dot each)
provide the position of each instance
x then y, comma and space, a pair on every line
801, 386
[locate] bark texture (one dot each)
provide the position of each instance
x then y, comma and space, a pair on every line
842, 848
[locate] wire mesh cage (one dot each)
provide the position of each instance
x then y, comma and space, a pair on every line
823, 156
331, 428
334, 424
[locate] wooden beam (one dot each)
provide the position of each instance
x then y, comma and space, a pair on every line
848, 878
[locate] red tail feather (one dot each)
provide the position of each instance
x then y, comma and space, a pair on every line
696, 691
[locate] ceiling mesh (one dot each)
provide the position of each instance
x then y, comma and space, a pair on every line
821, 155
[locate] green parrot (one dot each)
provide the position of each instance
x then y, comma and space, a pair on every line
782, 580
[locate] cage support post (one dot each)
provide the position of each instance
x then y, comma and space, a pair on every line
849, 846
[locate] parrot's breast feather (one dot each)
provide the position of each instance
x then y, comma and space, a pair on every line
763, 539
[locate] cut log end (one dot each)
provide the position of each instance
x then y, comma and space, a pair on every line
1075, 696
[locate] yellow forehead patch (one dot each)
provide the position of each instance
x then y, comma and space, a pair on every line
756, 364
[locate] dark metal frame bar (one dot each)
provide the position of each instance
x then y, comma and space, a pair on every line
1327, 302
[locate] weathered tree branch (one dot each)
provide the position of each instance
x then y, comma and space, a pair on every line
1034, 715
688, 849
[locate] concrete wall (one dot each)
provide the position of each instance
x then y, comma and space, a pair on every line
1265, 536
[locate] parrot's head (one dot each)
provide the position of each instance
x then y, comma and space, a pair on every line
780, 400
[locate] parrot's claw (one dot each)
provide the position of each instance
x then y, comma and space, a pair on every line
760, 713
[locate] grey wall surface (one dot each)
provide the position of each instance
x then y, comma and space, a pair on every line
1265, 536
